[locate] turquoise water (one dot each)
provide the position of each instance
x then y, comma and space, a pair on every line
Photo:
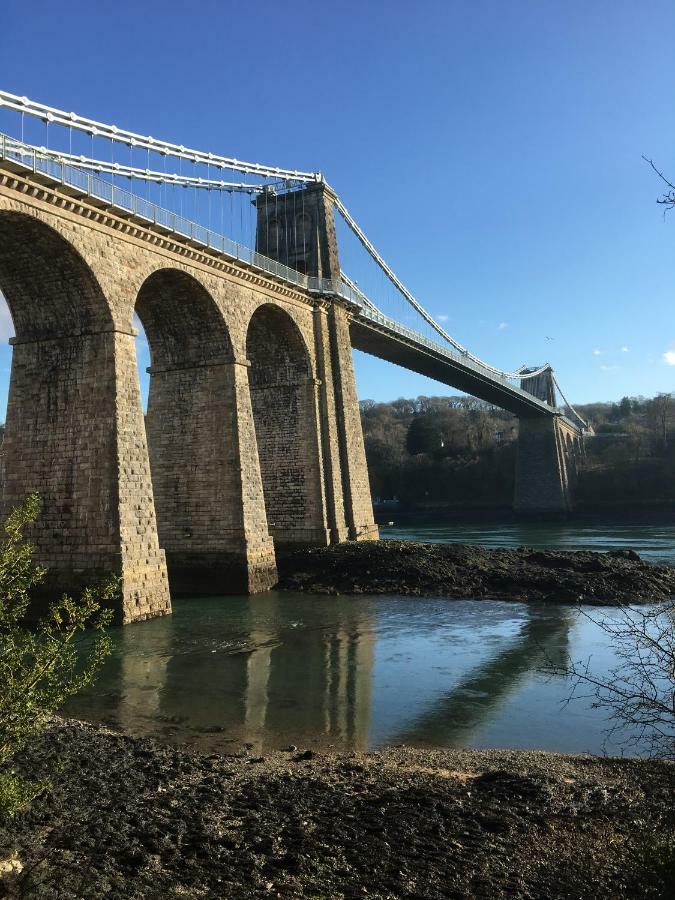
365, 672
655, 543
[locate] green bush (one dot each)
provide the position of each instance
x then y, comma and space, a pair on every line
40, 664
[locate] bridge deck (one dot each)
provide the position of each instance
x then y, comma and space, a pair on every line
386, 340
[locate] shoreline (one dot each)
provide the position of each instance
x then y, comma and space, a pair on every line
610, 514
424, 569
131, 818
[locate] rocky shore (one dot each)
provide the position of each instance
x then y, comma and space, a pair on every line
130, 819
420, 569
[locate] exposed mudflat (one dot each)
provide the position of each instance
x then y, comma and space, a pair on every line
456, 570
131, 819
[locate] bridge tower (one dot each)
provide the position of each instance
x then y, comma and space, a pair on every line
546, 457
297, 228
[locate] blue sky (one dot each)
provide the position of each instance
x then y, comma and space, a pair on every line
491, 149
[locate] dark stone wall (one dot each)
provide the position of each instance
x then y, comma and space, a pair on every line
297, 228
283, 398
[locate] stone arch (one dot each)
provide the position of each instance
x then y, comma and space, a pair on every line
285, 415
192, 427
570, 449
182, 321
70, 421
50, 289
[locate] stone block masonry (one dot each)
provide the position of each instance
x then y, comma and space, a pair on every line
283, 396
545, 466
253, 435
75, 434
355, 484
298, 229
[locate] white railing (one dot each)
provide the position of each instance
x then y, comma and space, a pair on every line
31, 159
391, 325
120, 200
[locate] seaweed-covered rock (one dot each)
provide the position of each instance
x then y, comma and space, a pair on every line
457, 570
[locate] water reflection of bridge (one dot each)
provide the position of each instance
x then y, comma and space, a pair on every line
284, 675
287, 671
454, 719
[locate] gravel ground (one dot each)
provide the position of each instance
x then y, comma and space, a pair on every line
455, 570
129, 819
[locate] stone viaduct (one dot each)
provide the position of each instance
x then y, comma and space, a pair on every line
252, 437
252, 441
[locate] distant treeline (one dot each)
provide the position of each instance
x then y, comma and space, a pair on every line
459, 451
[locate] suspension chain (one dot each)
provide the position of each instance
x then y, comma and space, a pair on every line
71, 120
111, 132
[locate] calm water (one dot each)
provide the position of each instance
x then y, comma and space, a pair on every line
655, 543
355, 673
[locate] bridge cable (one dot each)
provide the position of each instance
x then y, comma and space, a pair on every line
150, 175
50, 114
568, 404
418, 306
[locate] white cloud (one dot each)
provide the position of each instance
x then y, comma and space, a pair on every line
502, 326
625, 349
669, 357
597, 352
443, 318
608, 368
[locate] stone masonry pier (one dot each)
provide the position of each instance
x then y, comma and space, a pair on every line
252, 437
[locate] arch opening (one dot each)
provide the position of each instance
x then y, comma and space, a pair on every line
182, 322
285, 418
191, 429
50, 290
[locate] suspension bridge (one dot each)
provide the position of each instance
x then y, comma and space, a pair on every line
253, 284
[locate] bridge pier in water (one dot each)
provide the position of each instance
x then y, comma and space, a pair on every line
205, 471
546, 459
544, 468
74, 427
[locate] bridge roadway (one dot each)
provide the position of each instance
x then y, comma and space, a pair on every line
371, 331
376, 334
381, 337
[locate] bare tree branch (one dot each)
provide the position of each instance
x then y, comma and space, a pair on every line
638, 692
667, 199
